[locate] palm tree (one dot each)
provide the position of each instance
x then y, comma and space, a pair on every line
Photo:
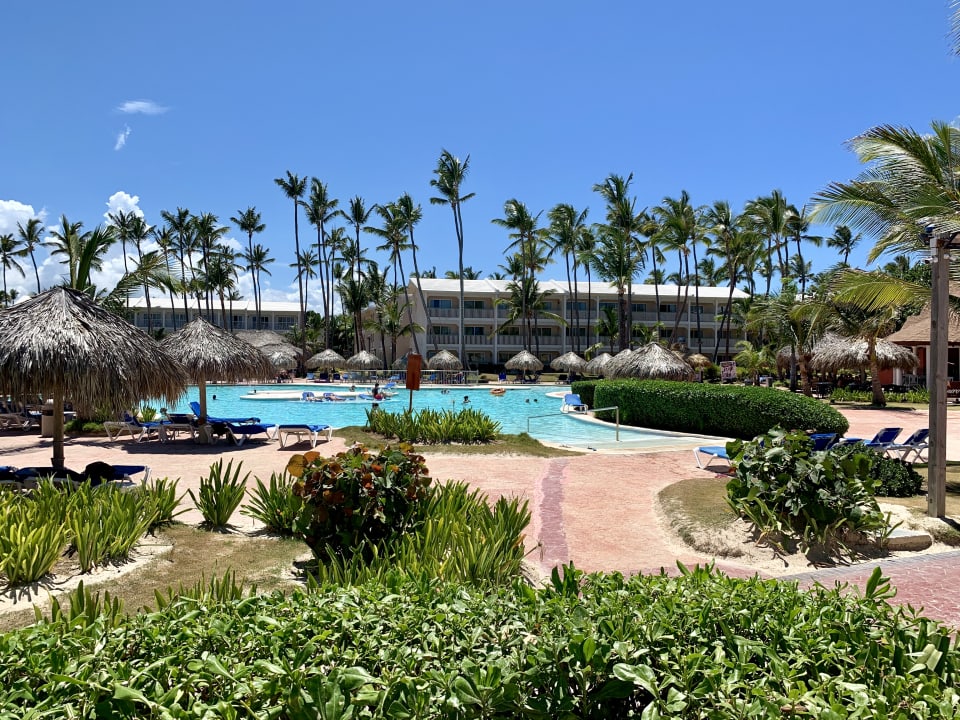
182, 227
258, 261
294, 187
586, 244
844, 240
138, 232
248, 221
679, 228
450, 174
84, 254
523, 224
566, 227
30, 240
208, 233
357, 215
754, 360
9, 251
164, 238
526, 301
321, 209
615, 261
768, 217
394, 232
410, 215
468, 274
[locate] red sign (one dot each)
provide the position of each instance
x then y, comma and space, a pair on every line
413, 371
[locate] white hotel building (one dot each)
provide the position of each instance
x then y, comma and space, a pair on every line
482, 315
277, 316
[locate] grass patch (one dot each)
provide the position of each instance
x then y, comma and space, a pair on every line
259, 560
521, 444
698, 513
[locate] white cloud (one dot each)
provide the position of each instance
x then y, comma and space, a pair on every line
122, 138
121, 201
141, 107
13, 212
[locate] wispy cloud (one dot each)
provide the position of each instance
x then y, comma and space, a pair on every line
141, 107
122, 138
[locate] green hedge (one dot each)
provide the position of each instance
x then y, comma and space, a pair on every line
727, 410
697, 646
585, 389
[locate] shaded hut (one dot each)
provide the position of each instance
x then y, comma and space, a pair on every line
610, 369
569, 362
325, 360
652, 361
363, 360
525, 361
211, 353
444, 360
62, 344
597, 365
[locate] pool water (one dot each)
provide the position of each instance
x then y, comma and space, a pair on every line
520, 409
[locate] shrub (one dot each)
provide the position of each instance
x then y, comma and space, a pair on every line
161, 501
431, 426
821, 499
586, 389
220, 493
893, 476
357, 496
277, 506
732, 411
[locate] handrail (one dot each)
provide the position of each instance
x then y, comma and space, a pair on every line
580, 412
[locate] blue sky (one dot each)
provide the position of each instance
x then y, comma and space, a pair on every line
202, 105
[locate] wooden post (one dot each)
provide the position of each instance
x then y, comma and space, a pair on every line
939, 339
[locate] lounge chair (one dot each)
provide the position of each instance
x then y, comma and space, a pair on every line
138, 430
573, 403
308, 396
712, 452
239, 432
195, 407
913, 445
312, 431
175, 423
97, 473
824, 441
881, 441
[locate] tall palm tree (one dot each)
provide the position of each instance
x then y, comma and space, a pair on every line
394, 233
731, 242
523, 226
294, 187
9, 251
566, 227
357, 215
258, 261
248, 221
450, 174
138, 232
321, 208
164, 238
586, 245
844, 240
768, 217
679, 229
181, 226
616, 261
410, 215
30, 240
208, 232
83, 254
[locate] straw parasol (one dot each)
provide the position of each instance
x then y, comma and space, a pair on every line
524, 360
835, 353
610, 368
697, 361
363, 360
444, 360
211, 353
596, 365
328, 359
61, 343
652, 360
400, 363
282, 359
568, 362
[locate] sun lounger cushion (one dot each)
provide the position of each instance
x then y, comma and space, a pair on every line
239, 432
313, 431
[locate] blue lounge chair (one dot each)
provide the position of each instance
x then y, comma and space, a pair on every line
824, 441
312, 431
712, 451
130, 423
913, 445
240, 432
881, 441
96, 473
195, 407
573, 403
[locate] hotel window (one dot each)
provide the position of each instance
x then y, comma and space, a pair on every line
543, 332
473, 330
698, 310
156, 319
473, 304
608, 306
511, 330
639, 307
668, 307
697, 334
572, 332
238, 322
179, 320
441, 303
284, 323
580, 305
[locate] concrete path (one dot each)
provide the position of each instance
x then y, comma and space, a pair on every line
596, 510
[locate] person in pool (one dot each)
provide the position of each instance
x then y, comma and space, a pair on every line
466, 399
377, 395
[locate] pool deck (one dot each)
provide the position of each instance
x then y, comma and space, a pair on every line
597, 509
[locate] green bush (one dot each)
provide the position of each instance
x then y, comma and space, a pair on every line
162, 503
586, 389
701, 645
276, 505
357, 497
429, 426
893, 476
821, 499
727, 410
220, 493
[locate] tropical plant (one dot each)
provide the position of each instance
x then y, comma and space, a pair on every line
220, 494
275, 505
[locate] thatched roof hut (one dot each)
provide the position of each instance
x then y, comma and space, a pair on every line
836, 353
597, 365
568, 362
697, 361
363, 360
444, 360
524, 360
652, 361
326, 359
62, 344
610, 369
282, 359
261, 338
211, 353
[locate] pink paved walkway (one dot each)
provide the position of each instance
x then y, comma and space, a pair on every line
597, 510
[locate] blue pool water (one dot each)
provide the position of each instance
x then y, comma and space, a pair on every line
521, 409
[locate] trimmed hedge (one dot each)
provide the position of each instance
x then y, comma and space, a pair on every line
727, 410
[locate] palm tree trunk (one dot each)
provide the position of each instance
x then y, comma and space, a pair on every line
624, 329
879, 400
423, 302
697, 292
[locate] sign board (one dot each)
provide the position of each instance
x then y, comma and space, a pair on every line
728, 370
413, 371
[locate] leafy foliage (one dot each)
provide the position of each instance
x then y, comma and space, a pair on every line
276, 505
161, 495
920, 396
357, 496
727, 410
220, 493
700, 645
894, 477
430, 426
822, 499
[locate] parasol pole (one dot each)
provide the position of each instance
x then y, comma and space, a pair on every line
58, 460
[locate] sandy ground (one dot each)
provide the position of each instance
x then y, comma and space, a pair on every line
598, 510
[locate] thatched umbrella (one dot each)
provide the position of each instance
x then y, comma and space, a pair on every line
328, 359
697, 361
62, 343
282, 359
596, 365
610, 369
445, 360
524, 361
568, 362
400, 363
363, 360
835, 353
211, 353
652, 360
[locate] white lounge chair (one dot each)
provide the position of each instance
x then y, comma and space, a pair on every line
913, 445
312, 431
712, 452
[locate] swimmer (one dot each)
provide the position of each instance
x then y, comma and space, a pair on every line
353, 388
445, 391
214, 397
466, 399
528, 400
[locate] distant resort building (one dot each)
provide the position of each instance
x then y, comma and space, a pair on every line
484, 310
277, 316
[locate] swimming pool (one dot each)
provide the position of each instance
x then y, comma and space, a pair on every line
520, 409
